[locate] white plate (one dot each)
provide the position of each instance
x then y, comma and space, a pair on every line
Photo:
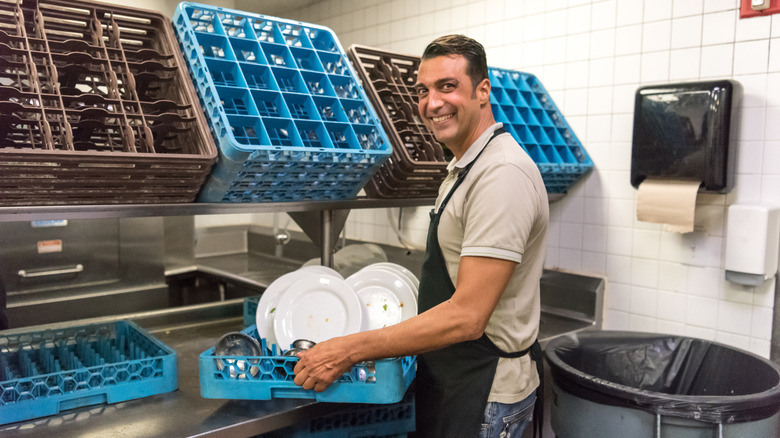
322, 270
380, 308
375, 285
413, 281
396, 273
266, 307
317, 308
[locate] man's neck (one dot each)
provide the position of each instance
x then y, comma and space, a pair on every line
459, 150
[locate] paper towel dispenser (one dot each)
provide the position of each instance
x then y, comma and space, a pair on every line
681, 131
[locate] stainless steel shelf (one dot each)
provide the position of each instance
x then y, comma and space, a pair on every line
29, 213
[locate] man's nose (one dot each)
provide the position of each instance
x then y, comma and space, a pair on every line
434, 100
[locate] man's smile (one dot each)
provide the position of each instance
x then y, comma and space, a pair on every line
442, 118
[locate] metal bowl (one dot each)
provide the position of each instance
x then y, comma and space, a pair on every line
303, 344
237, 344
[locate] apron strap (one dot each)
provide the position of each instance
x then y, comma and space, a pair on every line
501, 353
465, 170
536, 355
462, 174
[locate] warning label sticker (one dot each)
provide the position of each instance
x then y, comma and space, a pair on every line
48, 246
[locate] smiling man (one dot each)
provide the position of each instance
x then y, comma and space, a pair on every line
479, 285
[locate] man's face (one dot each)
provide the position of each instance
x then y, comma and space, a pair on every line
448, 105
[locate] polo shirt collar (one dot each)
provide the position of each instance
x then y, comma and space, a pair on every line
473, 150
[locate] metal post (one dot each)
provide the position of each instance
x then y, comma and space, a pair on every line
326, 220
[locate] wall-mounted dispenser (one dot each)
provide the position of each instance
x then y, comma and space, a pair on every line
752, 243
681, 131
681, 148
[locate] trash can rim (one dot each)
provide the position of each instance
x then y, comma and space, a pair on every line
716, 409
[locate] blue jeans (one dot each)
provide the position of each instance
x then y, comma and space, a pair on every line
505, 421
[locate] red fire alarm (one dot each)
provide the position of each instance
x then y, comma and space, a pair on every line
758, 8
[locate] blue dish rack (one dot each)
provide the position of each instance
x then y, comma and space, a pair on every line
271, 376
46, 372
522, 104
290, 118
358, 421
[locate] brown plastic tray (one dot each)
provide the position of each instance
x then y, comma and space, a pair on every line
96, 106
418, 164
386, 184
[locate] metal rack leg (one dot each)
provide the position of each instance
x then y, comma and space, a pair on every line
326, 247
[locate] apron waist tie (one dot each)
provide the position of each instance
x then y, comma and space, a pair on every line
535, 351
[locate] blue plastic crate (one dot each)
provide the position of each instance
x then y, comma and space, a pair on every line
521, 103
284, 105
271, 376
46, 372
360, 421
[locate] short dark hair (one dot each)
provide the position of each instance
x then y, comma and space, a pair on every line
476, 60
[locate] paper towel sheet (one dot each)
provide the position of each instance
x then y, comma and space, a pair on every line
669, 202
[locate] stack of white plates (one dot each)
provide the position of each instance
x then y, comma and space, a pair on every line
387, 294
317, 304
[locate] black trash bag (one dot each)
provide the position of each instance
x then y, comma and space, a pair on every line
666, 374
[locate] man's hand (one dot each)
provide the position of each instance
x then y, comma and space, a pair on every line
322, 365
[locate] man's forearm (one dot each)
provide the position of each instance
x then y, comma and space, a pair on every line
446, 324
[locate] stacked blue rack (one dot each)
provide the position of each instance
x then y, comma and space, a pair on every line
44, 372
521, 103
284, 105
379, 421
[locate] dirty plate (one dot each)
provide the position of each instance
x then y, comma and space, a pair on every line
386, 297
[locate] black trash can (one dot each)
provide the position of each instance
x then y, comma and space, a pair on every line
628, 384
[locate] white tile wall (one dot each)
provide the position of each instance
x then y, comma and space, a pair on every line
592, 55
686, 32
719, 28
687, 7
166, 7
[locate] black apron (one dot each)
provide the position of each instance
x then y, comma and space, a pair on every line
453, 383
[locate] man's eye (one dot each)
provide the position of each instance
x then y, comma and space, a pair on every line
422, 91
448, 87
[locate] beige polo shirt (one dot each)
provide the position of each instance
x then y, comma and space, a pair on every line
500, 210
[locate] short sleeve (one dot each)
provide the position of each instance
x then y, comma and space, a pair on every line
499, 212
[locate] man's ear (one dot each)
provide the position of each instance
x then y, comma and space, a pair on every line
483, 92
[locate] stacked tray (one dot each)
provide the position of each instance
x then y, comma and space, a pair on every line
48, 371
96, 107
418, 164
521, 103
291, 121
394, 420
